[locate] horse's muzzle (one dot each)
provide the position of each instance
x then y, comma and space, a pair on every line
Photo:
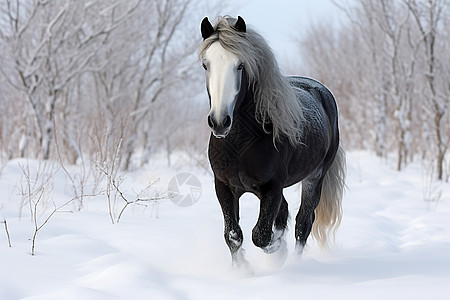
221, 128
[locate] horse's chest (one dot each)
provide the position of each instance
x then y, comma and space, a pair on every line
240, 162
236, 173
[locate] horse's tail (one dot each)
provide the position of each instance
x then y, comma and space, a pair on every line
329, 211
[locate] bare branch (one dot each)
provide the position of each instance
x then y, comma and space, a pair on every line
7, 232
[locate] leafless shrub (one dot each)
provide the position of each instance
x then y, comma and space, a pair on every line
78, 181
36, 191
114, 192
7, 232
36, 187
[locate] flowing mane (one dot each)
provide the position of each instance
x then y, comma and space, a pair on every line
275, 99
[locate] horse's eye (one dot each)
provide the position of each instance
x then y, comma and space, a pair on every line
204, 66
241, 66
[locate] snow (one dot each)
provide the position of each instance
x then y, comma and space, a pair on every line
391, 244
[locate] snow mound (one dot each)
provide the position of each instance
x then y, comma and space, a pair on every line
391, 244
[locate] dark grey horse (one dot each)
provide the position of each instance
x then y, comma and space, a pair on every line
269, 132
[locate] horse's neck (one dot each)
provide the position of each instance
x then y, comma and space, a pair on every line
226, 153
246, 111
245, 106
245, 124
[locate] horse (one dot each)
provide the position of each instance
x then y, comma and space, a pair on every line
269, 132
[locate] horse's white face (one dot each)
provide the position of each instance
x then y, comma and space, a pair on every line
223, 81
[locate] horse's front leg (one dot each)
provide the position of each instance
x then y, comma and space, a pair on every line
272, 214
229, 202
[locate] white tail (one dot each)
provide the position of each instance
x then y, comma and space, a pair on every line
329, 211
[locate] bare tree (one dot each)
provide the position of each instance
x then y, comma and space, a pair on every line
127, 67
154, 58
428, 17
393, 21
51, 43
389, 70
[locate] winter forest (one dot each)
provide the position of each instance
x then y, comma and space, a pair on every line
389, 68
91, 80
103, 105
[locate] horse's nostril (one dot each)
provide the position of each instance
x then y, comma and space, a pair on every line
227, 121
210, 122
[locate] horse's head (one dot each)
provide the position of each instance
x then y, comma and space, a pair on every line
223, 80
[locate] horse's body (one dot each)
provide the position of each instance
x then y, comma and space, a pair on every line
249, 152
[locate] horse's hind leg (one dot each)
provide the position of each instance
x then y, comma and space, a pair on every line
229, 202
278, 238
282, 217
311, 191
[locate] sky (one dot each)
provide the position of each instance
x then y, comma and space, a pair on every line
281, 22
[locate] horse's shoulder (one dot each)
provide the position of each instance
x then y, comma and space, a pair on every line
316, 89
309, 84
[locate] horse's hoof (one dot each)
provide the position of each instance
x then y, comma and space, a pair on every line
233, 240
273, 247
275, 243
299, 247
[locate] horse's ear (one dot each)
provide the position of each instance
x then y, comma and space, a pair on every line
206, 28
240, 25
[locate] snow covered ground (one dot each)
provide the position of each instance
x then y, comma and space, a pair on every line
391, 245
